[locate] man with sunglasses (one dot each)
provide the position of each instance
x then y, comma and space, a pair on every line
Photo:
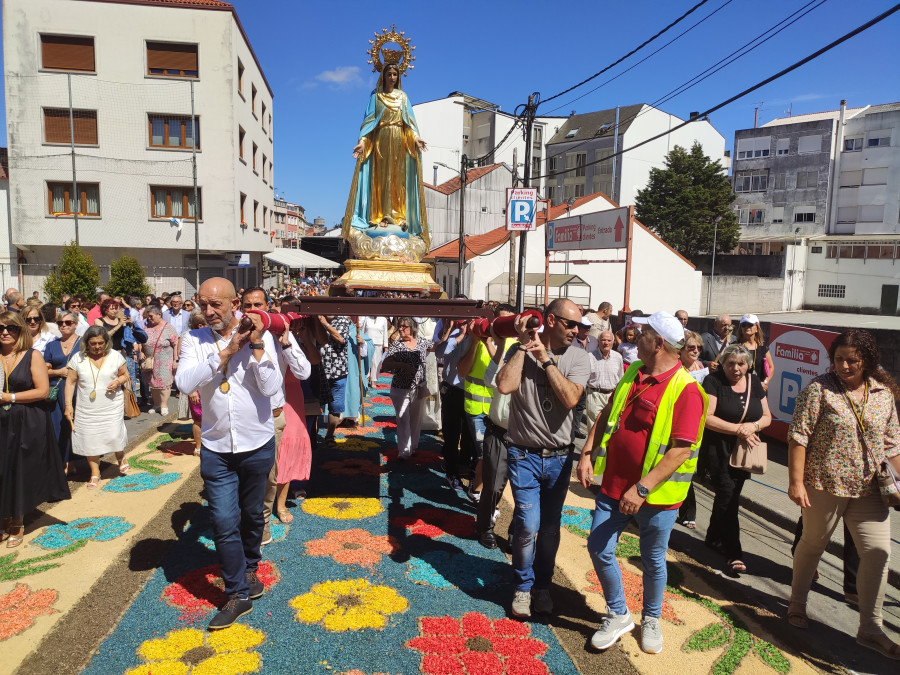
546, 380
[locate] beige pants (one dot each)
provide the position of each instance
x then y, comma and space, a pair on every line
272, 482
868, 520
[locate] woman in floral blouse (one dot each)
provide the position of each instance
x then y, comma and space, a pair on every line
832, 475
406, 360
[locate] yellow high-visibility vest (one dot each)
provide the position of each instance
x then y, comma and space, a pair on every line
478, 394
675, 488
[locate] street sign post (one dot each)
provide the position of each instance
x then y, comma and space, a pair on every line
520, 209
602, 229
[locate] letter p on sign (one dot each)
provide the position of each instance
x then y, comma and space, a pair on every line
522, 212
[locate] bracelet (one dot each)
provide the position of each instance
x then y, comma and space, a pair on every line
13, 397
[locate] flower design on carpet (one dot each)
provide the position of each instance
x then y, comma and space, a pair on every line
384, 400
634, 593
352, 467
21, 606
200, 653
429, 521
349, 604
385, 425
342, 507
577, 520
478, 645
277, 529
355, 431
98, 529
438, 568
420, 458
202, 590
140, 482
354, 444
353, 547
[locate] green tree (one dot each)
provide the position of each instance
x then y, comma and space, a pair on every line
127, 277
682, 203
76, 274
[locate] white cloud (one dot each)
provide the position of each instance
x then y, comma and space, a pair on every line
342, 76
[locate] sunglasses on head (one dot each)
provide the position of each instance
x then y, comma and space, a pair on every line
65, 323
12, 330
568, 323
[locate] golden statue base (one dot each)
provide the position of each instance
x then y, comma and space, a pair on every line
377, 275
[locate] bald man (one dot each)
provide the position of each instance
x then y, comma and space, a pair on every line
236, 372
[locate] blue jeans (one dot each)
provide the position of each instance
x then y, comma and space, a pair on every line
477, 427
338, 391
539, 487
655, 526
236, 486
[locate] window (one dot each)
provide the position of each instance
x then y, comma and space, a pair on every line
253, 99
60, 199
66, 52
749, 148
255, 148
270, 125
271, 177
777, 215
262, 117
535, 166
56, 126
172, 59
550, 190
751, 216
832, 290
809, 144
807, 179
872, 213
255, 215
537, 139
174, 202
265, 218
815, 249
240, 81
853, 144
580, 161
173, 131
878, 139
779, 181
241, 134
782, 146
243, 203
804, 216
579, 190
571, 132
875, 176
847, 214
751, 181
850, 178
551, 166
264, 167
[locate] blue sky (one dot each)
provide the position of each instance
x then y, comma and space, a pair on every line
313, 54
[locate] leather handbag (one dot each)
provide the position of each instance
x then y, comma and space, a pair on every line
744, 456
147, 361
131, 405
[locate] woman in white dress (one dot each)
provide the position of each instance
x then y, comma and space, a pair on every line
98, 425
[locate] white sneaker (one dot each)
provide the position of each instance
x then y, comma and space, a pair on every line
163, 411
521, 605
651, 635
612, 627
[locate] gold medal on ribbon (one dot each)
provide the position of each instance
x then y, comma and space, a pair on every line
224, 387
93, 395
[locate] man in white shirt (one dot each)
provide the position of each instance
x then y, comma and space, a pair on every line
607, 368
289, 356
235, 373
175, 316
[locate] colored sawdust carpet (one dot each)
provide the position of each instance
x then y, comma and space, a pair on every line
379, 572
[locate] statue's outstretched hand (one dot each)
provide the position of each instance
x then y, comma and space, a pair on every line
358, 150
421, 145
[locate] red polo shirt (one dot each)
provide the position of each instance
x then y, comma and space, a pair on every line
628, 445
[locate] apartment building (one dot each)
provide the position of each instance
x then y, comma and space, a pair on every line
108, 103
288, 220
580, 161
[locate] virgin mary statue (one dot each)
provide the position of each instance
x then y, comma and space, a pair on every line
385, 216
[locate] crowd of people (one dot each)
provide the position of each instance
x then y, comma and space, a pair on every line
638, 412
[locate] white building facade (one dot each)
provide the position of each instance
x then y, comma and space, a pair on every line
130, 68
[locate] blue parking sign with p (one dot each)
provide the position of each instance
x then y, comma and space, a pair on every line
521, 211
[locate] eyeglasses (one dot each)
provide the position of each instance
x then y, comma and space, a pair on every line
693, 348
65, 323
74, 306
32, 319
12, 330
568, 323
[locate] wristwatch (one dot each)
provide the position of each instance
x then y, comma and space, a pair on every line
643, 492
258, 345
546, 364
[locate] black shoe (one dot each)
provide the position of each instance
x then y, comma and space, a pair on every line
233, 610
487, 539
256, 586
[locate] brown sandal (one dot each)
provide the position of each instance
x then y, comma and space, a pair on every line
881, 643
796, 615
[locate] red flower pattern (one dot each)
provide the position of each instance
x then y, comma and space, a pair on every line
21, 606
477, 645
202, 590
385, 400
433, 522
385, 425
634, 593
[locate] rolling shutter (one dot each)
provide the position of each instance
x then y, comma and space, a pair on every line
169, 56
65, 52
56, 126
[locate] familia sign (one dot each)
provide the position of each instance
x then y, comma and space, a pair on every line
601, 229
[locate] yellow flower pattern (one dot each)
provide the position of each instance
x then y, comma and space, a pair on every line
342, 507
349, 604
194, 652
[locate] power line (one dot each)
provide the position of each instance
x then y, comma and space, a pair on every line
633, 51
649, 56
878, 19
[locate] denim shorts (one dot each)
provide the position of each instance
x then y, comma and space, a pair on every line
338, 391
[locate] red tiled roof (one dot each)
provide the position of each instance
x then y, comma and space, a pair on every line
475, 245
472, 175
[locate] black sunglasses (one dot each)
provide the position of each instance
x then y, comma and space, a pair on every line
12, 330
32, 319
65, 323
568, 323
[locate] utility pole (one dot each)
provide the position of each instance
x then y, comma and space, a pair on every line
511, 295
196, 196
76, 196
530, 110
463, 165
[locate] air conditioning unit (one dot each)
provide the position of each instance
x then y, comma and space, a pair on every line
465, 137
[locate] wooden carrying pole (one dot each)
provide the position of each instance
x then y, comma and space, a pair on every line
362, 392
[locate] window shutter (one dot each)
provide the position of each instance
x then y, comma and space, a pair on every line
851, 178
65, 52
56, 125
809, 144
85, 127
170, 56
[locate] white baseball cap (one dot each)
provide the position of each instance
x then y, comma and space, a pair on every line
666, 325
749, 318
585, 322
